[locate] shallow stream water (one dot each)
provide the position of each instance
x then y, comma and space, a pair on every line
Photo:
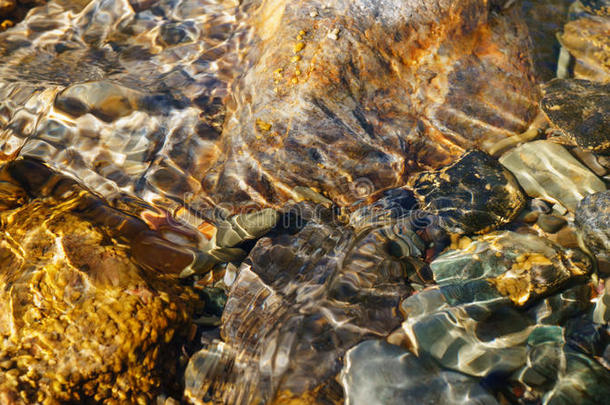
304, 202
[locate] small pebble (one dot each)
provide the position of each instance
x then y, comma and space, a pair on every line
603, 267
540, 205
567, 238
298, 47
530, 217
334, 34
590, 160
559, 209
551, 223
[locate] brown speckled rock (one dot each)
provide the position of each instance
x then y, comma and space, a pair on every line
373, 91
593, 219
586, 39
580, 109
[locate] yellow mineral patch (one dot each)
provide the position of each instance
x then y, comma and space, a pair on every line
6, 24
262, 125
516, 288
287, 397
517, 282
464, 242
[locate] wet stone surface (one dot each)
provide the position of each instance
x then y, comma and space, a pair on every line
269, 202
581, 110
473, 195
586, 39
349, 113
593, 218
294, 295
520, 266
80, 317
545, 169
380, 373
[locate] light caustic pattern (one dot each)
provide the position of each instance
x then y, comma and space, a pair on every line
172, 109
187, 104
125, 97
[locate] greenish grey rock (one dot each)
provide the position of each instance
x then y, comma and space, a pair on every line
484, 336
547, 170
240, 228
520, 266
558, 374
256, 224
378, 373
467, 328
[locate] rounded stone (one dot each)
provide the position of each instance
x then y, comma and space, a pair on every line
551, 223
593, 220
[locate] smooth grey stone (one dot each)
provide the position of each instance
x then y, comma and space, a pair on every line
547, 170
558, 374
378, 373
593, 220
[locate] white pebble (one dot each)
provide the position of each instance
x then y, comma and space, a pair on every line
334, 34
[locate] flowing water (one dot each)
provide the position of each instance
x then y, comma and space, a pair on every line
306, 166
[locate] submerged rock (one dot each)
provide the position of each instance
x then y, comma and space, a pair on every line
470, 328
229, 103
557, 373
127, 103
473, 195
521, 267
581, 111
302, 298
593, 219
83, 318
546, 170
586, 39
105, 100
378, 373
362, 91
229, 376
550, 223
544, 19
